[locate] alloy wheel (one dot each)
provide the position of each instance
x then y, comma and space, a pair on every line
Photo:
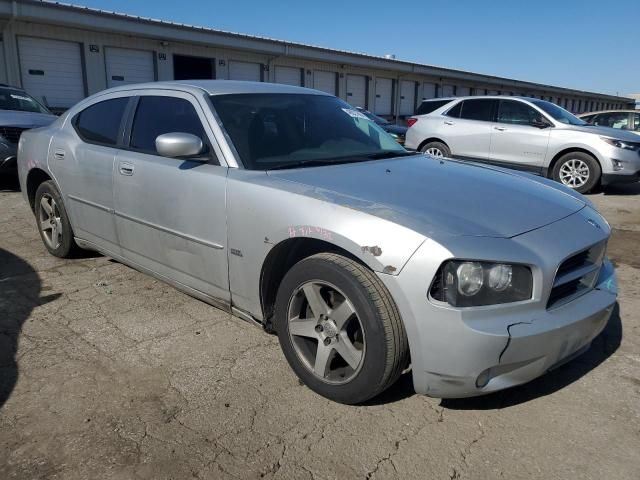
50, 221
325, 331
434, 152
574, 173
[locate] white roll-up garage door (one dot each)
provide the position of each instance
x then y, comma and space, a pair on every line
428, 90
289, 75
448, 91
407, 97
125, 66
325, 81
463, 92
357, 90
247, 71
384, 93
51, 70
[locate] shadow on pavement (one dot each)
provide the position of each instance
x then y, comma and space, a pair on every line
622, 189
603, 346
9, 182
20, 292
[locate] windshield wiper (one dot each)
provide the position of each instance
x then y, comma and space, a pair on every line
388, 154
363, 157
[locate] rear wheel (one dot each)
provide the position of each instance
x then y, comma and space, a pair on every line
53, 221
577, 170
339, 328
436, 149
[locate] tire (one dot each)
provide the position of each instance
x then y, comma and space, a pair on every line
436, 149
578, 171
363, 332
53, 222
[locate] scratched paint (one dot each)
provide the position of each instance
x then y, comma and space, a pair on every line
376, 251
309, 231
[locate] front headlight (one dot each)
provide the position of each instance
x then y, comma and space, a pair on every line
622, 143
463, 283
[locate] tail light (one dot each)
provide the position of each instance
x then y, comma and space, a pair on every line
411, 122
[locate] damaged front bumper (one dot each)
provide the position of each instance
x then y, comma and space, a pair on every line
466, 361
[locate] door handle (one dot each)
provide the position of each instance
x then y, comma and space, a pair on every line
58, 154
126, 168
500, 129
448, 122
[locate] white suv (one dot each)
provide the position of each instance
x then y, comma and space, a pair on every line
528, 134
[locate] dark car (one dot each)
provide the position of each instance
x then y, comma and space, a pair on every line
19, 111
397, 131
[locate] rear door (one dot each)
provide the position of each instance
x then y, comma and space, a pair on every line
170, 213
514, 138
466, 128
82, 158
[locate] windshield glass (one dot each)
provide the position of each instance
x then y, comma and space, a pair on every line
373, 117
271, 131
11, 99
558, 113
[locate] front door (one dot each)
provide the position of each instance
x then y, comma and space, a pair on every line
170, 213
517, 137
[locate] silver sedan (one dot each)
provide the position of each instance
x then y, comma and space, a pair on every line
291, 209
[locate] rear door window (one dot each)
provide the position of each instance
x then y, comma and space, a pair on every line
478, 109
100, 123
157, 115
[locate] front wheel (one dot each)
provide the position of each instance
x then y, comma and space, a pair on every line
436, 149
578, 171
339, 328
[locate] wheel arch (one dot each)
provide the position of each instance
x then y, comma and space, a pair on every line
35, 178
285, 255
561, 153
432, 139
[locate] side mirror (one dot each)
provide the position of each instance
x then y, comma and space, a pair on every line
179, 145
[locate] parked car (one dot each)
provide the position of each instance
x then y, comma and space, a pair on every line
528, 134
622, 119
285, 206
396, 131
19, 111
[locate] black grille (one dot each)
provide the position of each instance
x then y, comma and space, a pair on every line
12, 134
577, 274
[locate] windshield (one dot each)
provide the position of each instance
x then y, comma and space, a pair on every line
11, 99
373, 117
272, 131
558, 113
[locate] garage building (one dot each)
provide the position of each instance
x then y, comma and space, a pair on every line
61, 53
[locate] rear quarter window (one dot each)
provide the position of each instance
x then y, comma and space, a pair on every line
430, 106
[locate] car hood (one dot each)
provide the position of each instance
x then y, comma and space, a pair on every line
433, 196
397, 129
606, 132
16, 118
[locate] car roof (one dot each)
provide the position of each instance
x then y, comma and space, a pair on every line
608, 111
220, 87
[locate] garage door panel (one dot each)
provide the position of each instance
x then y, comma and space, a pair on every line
288, 75
51, 70
246, 71
325, 81
126, 66
428, 90
407, 97
357, 90
384, 94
